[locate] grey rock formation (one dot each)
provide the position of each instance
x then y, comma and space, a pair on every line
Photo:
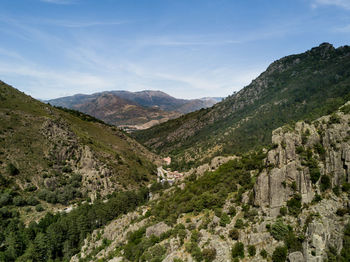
296, 257
157, 229
273, 187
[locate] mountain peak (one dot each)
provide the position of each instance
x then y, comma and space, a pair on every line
323, 49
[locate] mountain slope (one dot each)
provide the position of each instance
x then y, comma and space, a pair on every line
117, 111
59, 156
147, 98
295, 87
288, 202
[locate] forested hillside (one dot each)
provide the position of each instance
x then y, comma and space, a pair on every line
53, 159
287, 202
302, 86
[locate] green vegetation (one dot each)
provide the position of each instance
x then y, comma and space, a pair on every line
345, 252
12, 170
238, 250
209, 254
280, 254
263, 253
325, 183
279, 230
42, 145
234, 234
334, 119
251, 250
345, 109
210, 190
238, 123
294, 205
81, 115
224, 220
60, 236
283, 211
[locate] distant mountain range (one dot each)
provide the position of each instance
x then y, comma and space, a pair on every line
135, 110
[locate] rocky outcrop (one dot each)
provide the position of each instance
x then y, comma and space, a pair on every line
65, 151
299, 154
157, 229
288, 174
296, 257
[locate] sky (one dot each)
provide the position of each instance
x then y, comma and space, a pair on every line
186, 48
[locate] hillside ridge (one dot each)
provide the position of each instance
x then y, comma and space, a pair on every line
295, 87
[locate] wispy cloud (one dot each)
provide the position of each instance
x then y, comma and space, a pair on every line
339, 3
60, 2
343, 29
37, 79
80, 24
187, 41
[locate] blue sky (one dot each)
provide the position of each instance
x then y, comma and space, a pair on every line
187, 48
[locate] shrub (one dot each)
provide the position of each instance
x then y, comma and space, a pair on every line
294, 204
317, 198
283, 211
320, 150
232, 211
238, 250
336, 190
342, 211
12, 169
39, 208
314, 174
279, 230
292, 242
224, 220
32, 201
3, 181
346, 187
263, 253
293, 186
345, 109
345, 252
325, 183
5, 199
234, 234
194, 250
280, 254
300, 149
195, 236
334, 119
239, 223
19, 201
251, 250
209, 254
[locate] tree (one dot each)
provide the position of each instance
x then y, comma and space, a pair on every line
280, 254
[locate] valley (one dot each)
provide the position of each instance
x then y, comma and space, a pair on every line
261, 176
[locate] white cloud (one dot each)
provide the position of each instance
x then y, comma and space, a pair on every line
339, 3
187, 41
31, 78
75, 24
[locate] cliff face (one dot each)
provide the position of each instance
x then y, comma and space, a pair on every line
299, 202
327, 142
